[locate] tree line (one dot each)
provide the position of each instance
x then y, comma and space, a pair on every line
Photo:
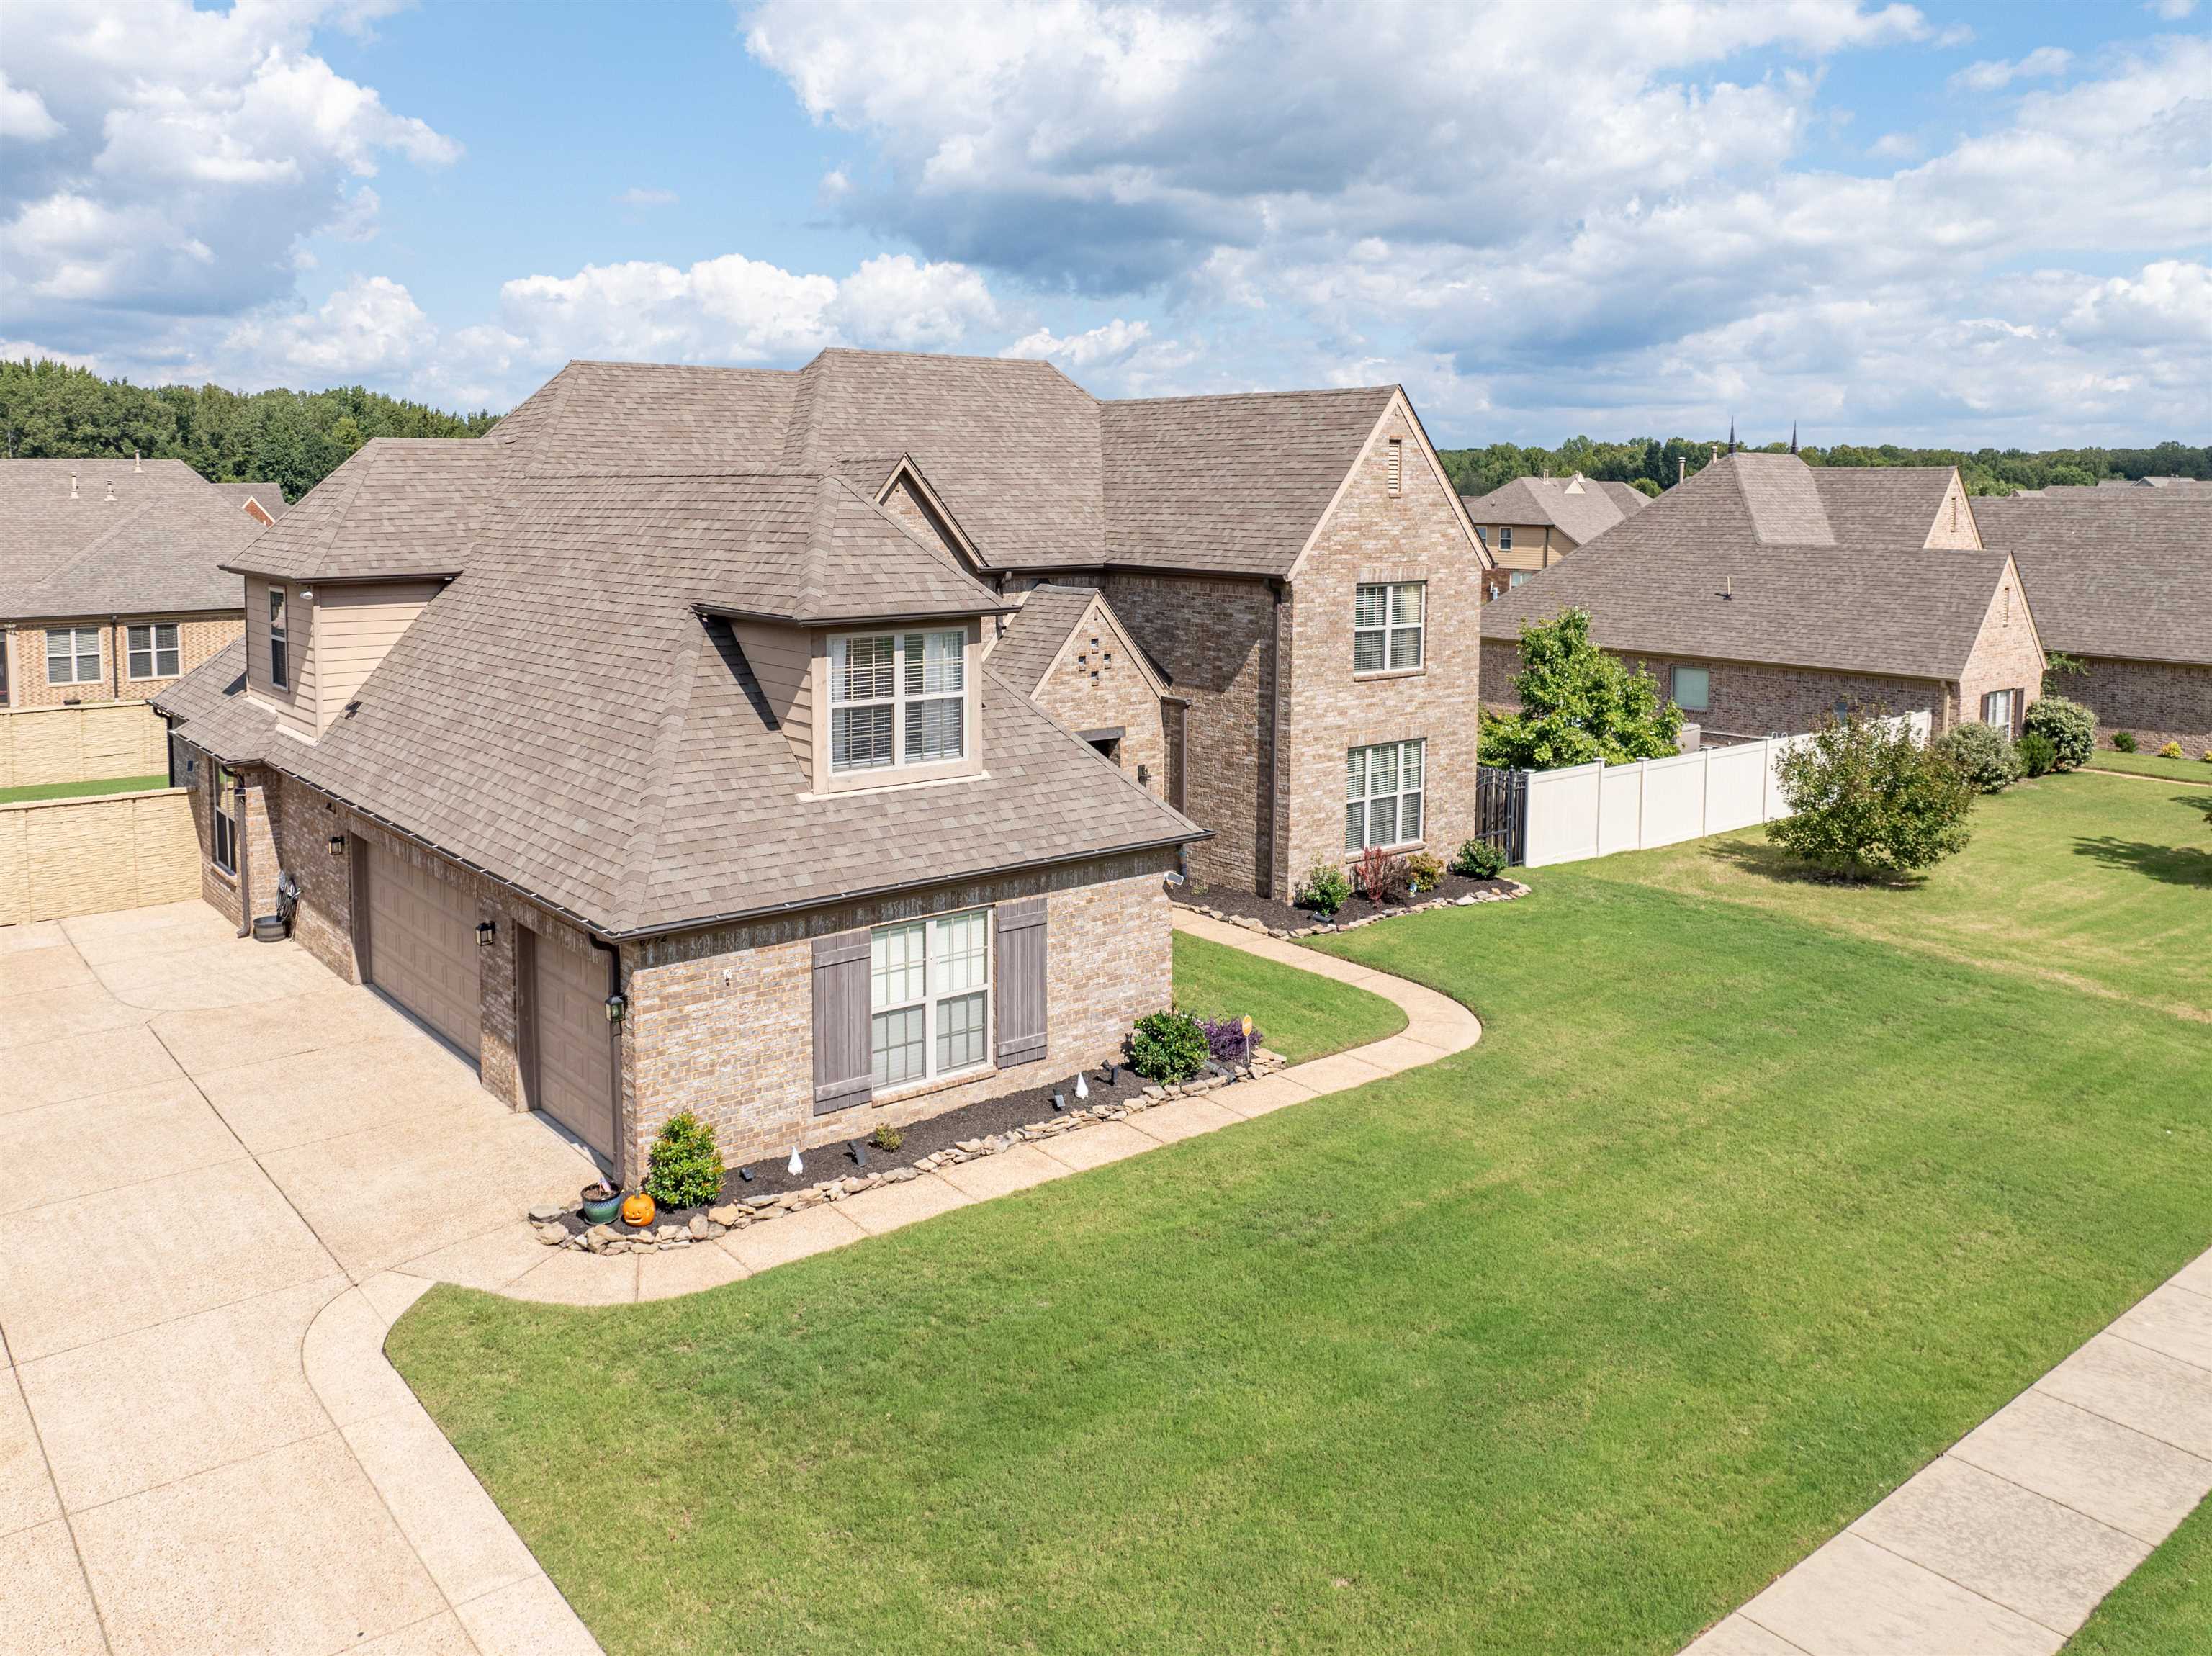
51, 410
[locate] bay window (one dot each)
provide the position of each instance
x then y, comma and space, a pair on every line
896, 699
1383, 795
929, 997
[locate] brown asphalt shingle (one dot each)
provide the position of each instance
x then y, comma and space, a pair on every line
1581, 515
2121, 572
157, 546
212, 702
1033, 638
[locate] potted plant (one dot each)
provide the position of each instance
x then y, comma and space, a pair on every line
600, 1202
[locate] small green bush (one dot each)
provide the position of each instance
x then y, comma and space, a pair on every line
1982, 756
2039, 754
1167, 1046
2124, 741
684, 1169
1425, 872
1478, 859
2171, 750
1326, 889
1869, 802
887, 1138
2072, 727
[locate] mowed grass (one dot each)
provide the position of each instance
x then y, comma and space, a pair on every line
1743, 1209
2190, 767
1297, 1014
73, 790
2164, 1608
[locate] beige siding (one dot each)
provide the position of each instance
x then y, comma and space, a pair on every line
62, 857
782, 658
355, 627
39, 745
295, 704
1531, 549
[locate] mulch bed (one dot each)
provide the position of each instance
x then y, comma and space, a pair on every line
1286, 918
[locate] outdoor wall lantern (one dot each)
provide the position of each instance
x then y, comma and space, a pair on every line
486, 931
337, 845
616, 1007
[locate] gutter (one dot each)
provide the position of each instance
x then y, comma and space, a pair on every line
241, 851
725, 612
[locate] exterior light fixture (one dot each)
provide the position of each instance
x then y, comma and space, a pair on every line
616, 1007
1113, 1073
859, 1155
486, 931
1059, 1102
744, 1175
337, 845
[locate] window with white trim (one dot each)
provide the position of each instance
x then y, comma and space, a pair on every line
1383, 795
1505, 537
1997, 710
154, 650
1386, 626
896, 699
1692, 689
223, 818
280, 665
73, 655
929, 997
1514, 578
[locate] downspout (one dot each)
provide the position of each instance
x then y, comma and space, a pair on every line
243, 840
1276, 849
114, 664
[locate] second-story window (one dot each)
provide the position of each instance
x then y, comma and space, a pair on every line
280, 666
1505, 537
896, 699
1386, 626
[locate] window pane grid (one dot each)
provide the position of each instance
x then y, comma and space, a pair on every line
929, 995
899, 697
1383, 794
1386, 623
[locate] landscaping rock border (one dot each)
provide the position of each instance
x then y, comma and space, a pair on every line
1512, 888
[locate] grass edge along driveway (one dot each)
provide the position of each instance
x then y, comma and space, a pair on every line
1733, 1219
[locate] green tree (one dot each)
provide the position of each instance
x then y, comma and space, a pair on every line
1579, 705
1868, 801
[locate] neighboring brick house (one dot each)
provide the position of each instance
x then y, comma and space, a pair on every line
2122, 579
111, 588
1067, 651
1531, 522
657, 774
1766, 595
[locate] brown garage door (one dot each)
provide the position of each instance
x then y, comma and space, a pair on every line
422, 947
575, 1068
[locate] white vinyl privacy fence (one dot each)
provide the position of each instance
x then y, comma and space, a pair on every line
1594, 810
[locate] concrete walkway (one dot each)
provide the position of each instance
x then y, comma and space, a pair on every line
2003, 1545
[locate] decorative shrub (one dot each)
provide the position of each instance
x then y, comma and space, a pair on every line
1424, 871
887, 1138
684, 1169
1478, 859
1984, 757
2039, 754
1381, 877
2125, 741
2207, 756
1167, 1046
1226, 1042
2072, 727
1325, 891
1868, 800
1577, 704
2171, 750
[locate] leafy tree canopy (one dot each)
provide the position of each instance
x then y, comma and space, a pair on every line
1868, 800
1579, 705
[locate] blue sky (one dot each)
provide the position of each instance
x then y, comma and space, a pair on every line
1962, 224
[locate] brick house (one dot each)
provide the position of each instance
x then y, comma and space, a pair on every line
650, 782
1531, 522
1066, 650
2122, 579
111, 588
1766, 595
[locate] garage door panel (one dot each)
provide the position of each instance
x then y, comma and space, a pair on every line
575, 1064
422, 949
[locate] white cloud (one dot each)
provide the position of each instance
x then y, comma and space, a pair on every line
894, 303
24, 117
1993, 74
1093, 348
639, 196
2172, 10
370, 328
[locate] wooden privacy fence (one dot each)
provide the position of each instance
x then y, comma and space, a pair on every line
81, 744
1594, 810
63, 857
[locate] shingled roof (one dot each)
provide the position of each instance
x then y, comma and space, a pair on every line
2118, 573
144, 536
1578, 507
1032, 640
223, 719
1759, 558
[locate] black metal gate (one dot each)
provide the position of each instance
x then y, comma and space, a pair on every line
1501, 810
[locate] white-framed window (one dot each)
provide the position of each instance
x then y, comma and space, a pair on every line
154, 650
1505, 537
896, 699
1515, 579
929, 997
1997, 710
279, 665
222, 816
1383, 795
1694, 689
73, 655
1393, 465
1386, 626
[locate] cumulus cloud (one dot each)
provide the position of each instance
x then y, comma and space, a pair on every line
1993, 74
1095, 347
370, 328
638, 196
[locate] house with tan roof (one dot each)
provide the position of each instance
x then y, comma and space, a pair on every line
2121, 580
1531, 522
111, 580
747, 741
1766, 596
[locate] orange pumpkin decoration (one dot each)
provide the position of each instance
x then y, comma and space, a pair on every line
637, 1210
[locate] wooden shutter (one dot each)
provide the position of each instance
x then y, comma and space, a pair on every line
844, 1066
1021, 980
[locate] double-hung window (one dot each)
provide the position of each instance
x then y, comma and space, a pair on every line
223, 835
929, 992
1505, 537
280, 666
1997, 710
896, 699
72, 655
1386, 626
153, 650
1383, 795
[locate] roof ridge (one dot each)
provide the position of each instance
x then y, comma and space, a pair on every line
1250, 395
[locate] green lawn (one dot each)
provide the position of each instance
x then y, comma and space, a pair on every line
1298, 1014
1754, 1196
74, 790
2164, 1608
2190, 768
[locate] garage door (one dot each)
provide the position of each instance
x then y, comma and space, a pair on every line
422, 947
575, 1068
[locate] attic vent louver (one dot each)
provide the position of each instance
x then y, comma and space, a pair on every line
1396, 465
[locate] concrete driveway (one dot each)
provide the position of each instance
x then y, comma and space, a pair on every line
206, 1143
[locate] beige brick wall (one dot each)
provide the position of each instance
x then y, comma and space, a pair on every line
39, 745
2155, 702
2006, 654
1098, 685
199, 639
62, 857
720, 1021
1375, 537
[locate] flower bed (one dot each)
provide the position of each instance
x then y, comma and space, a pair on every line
1279, 919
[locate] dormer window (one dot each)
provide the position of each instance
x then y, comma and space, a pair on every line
896, 699
279, 667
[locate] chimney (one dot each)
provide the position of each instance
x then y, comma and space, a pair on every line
1682, 468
